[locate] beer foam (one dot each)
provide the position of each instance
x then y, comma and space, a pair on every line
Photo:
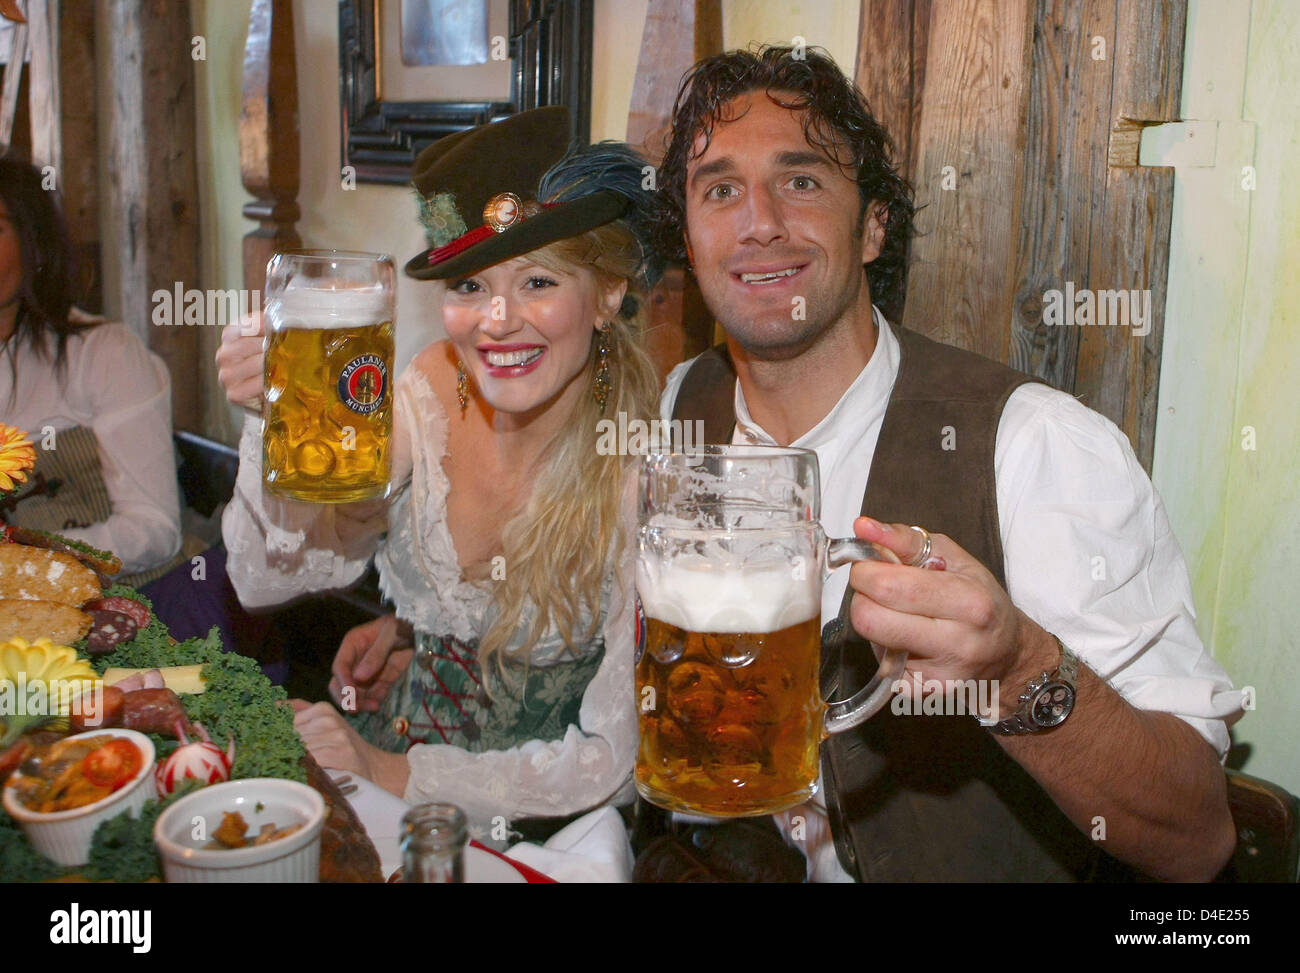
700, 595
318, 307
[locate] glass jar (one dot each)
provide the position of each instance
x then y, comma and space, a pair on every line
433, 844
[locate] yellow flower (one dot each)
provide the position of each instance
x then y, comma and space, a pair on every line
42, 661
16, 457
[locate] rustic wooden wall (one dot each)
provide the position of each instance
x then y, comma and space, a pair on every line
1037, 106
77, 175
154, 181
268, 137
677, 33
1119, 372
79, 181
44, 96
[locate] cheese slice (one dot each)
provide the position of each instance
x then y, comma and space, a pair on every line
179, 679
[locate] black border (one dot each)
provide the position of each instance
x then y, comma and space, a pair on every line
550, 47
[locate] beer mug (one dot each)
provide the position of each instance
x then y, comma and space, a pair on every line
729, 571
328, 414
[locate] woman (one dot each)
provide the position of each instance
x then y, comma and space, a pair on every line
504, 529
95, 401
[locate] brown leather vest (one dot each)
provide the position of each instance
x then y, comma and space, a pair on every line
912, 797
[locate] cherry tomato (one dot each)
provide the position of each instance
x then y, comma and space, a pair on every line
113, 764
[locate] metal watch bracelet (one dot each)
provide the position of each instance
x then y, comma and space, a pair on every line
1051, 694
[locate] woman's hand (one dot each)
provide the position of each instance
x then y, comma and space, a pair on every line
336, 746
369, 660
239, 361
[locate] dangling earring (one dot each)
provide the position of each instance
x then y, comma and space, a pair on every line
462, 386
601, 386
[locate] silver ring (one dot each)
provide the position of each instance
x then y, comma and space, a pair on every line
924, 556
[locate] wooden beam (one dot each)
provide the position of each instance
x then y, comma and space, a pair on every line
1119, 366
677, 33
1064, 177
20, 132
961, 281
890, 71
268, 137
79, 177
154, 179
15, 131
708, 29
43, 48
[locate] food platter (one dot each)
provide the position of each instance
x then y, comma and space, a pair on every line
209, 714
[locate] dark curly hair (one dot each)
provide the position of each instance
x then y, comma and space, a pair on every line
838, 121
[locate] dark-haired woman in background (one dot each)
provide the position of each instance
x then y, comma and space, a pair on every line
95, 401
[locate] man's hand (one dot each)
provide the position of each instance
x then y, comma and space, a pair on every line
1149, 776
370, 659
956, 623
336, 746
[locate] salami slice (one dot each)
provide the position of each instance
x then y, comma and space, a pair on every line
108, 630
127, 606
152, 710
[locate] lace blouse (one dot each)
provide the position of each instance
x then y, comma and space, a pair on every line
278, 549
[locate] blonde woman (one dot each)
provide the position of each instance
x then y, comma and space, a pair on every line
505, 553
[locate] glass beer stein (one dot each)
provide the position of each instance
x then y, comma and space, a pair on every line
730, 564
328, 416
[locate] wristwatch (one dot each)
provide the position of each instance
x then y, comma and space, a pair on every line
1047, 701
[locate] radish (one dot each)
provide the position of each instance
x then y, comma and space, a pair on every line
203, 761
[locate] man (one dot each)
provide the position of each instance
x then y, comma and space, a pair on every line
1044, 539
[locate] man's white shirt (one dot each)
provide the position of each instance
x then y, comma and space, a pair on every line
1088, 551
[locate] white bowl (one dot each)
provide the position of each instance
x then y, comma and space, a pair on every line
184, 829
64, 836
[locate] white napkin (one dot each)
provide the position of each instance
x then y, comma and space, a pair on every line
594, 848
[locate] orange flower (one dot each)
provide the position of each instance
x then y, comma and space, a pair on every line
16, 457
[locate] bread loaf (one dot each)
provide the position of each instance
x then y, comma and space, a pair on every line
33, 574
31, 620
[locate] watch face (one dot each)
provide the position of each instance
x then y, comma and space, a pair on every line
1051, 704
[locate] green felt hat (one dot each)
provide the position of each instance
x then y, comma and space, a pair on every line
478, 195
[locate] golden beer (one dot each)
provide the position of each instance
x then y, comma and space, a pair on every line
327, 376
329, 412
725, 739
731, 557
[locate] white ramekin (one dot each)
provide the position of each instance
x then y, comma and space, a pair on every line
183, 830
64, 836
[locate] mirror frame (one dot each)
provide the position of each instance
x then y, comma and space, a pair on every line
550, 51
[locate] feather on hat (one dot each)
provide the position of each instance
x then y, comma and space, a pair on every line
506, 188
